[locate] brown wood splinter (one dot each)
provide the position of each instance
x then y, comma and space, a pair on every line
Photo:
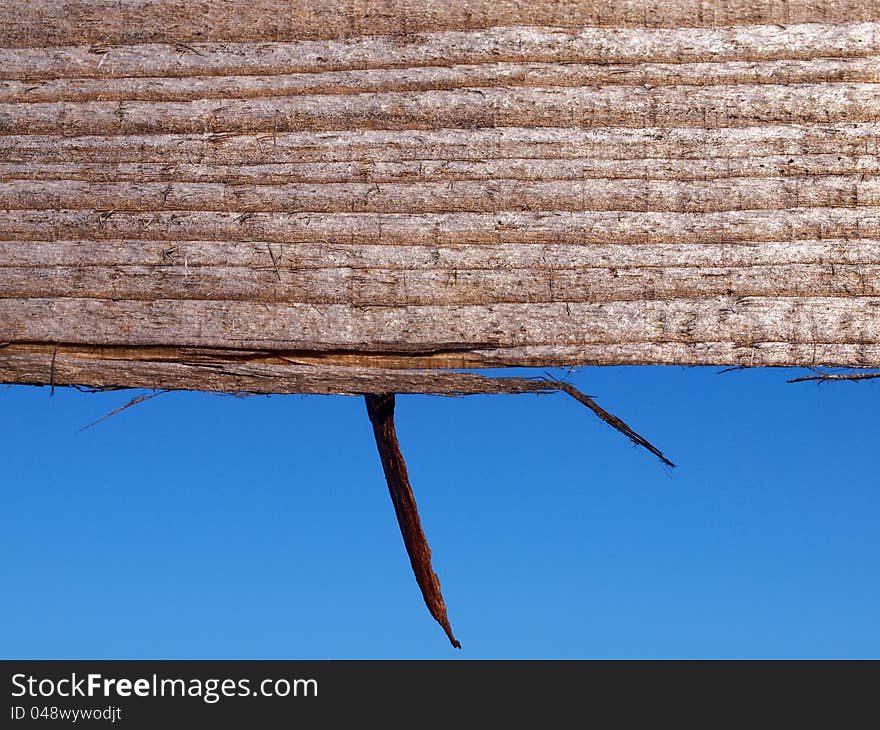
381, 411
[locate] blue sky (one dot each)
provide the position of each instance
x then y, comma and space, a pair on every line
206, 526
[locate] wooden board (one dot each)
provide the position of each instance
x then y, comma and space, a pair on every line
326, 196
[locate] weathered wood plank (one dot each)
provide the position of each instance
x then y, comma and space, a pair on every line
401, 185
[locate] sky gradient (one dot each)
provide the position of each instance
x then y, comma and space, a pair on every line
208, 526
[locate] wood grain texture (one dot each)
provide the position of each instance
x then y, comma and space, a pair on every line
299, 192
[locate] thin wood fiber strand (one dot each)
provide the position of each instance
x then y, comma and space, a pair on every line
612, 420
381, 411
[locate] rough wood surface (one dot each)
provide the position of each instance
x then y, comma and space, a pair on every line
398, 185
240, 372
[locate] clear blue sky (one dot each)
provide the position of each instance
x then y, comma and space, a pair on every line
205, 526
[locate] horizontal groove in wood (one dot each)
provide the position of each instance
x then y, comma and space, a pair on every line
435, 229
525, 169
637, 107
746, 47
739, 193
609, 143
445, 78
